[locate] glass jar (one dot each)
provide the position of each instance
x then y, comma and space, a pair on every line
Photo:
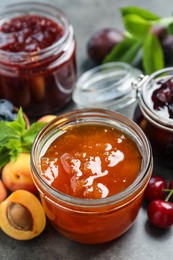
84, 220
107, 86
40, 81
155, 122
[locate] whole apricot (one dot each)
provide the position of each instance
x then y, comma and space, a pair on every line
3, 191
17, 175
46, 118
22, 216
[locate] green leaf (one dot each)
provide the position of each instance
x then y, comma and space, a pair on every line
15, 138
19, 124
5, 157
6, 132
165, 22
31, 133
143, 13
125, 51
136, 25
170, 28
14, 147
153, 58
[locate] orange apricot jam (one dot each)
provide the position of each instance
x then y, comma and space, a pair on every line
91, 162
91, 167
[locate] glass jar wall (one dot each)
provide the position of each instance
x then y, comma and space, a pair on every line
37, 57
94, 220
154, 111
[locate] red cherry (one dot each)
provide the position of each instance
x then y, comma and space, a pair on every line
171, 187
155, 188
160, 213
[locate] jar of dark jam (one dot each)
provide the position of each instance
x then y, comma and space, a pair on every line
37, 57
154, 112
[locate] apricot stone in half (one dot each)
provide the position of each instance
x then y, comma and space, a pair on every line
22, 216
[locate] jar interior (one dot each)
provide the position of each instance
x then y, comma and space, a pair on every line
159, 116
53, 130
32, 8
107, 86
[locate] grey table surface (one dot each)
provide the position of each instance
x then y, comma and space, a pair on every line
142, 241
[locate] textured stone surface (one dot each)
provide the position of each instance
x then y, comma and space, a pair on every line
141, 242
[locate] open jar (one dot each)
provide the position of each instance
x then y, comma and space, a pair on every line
76, 175
37, 57
107, 86
154, 113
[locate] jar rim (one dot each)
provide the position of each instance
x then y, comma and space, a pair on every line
106, 86
45, 9
147, 109
80, 115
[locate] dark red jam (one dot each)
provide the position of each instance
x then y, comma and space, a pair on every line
29, 33
159, 131
161, 139
162, 97
31, 76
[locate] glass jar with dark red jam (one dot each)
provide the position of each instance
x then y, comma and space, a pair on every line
154, 112
37, 57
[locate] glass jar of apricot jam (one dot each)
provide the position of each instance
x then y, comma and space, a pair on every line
154, 112
37, 57
91, 167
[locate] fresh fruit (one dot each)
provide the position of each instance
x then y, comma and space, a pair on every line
147, 40
47, 118
102, 42
7, 112
159, 210
171, 184
171, 187
155, 188
167, 46
22, 216
3, 191
159, 31
160, 213
17, 174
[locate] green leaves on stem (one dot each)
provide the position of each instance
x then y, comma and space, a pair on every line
138, 23
15, 138
125, 51
153, 58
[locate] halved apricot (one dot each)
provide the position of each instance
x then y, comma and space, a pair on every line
22, 216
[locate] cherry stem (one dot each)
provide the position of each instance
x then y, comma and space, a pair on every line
169, 194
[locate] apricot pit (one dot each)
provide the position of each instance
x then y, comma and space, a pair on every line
22, 216
19, 217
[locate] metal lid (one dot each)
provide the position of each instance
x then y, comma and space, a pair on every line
106, 86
